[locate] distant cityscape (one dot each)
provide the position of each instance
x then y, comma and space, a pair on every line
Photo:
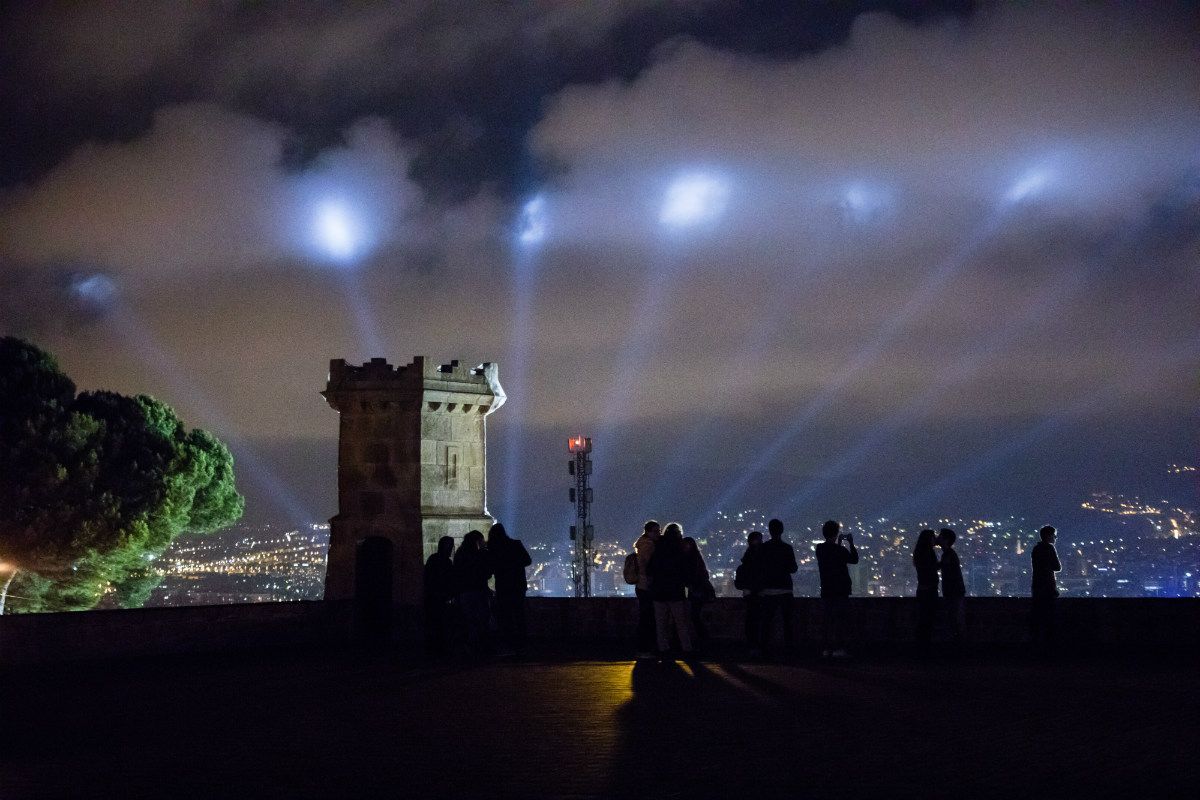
244, 564
1132, 548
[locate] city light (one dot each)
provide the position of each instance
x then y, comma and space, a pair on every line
1133, 558
694, 198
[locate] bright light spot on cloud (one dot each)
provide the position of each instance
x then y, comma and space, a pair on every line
862, 203
339, 234
531, 226
96, 289
694, 198
1030, 183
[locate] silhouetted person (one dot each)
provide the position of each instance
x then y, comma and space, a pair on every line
953, 587
700, 590
509, 559
924, 558
668, 570
834, 555
1044, 588
472, 569
644, 547
439, 594
778, 566
748, 578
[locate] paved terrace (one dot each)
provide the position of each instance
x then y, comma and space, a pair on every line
565, 722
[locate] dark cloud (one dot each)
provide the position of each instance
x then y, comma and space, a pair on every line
465, 81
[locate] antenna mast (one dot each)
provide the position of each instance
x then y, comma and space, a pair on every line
580, 467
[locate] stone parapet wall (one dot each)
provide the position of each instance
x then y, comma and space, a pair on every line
81, 635
45, 638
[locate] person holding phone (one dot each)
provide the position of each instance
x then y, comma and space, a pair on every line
834, 556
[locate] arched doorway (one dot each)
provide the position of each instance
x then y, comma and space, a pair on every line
373, 588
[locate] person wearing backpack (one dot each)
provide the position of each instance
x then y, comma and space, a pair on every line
643, 551
748, 578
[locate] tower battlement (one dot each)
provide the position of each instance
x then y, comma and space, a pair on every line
421, 369
412, 468
441, 386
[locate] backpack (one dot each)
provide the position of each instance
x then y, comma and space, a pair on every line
741, 577
633, 568
748, 575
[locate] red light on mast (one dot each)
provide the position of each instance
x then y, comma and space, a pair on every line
579, 444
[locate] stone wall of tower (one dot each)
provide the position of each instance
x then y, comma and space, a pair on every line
412, 463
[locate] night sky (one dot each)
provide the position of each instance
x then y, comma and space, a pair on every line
825, 259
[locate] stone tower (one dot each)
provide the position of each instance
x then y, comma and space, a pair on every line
412, 467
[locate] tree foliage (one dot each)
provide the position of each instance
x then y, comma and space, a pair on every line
95, 485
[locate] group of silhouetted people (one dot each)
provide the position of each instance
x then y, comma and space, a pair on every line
672, 586
930, 567
764, 577
458, 598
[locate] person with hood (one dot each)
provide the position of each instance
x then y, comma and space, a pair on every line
439, 594
509, 559
472, 570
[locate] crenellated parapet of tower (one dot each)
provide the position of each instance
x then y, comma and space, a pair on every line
454, 385
412, 465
